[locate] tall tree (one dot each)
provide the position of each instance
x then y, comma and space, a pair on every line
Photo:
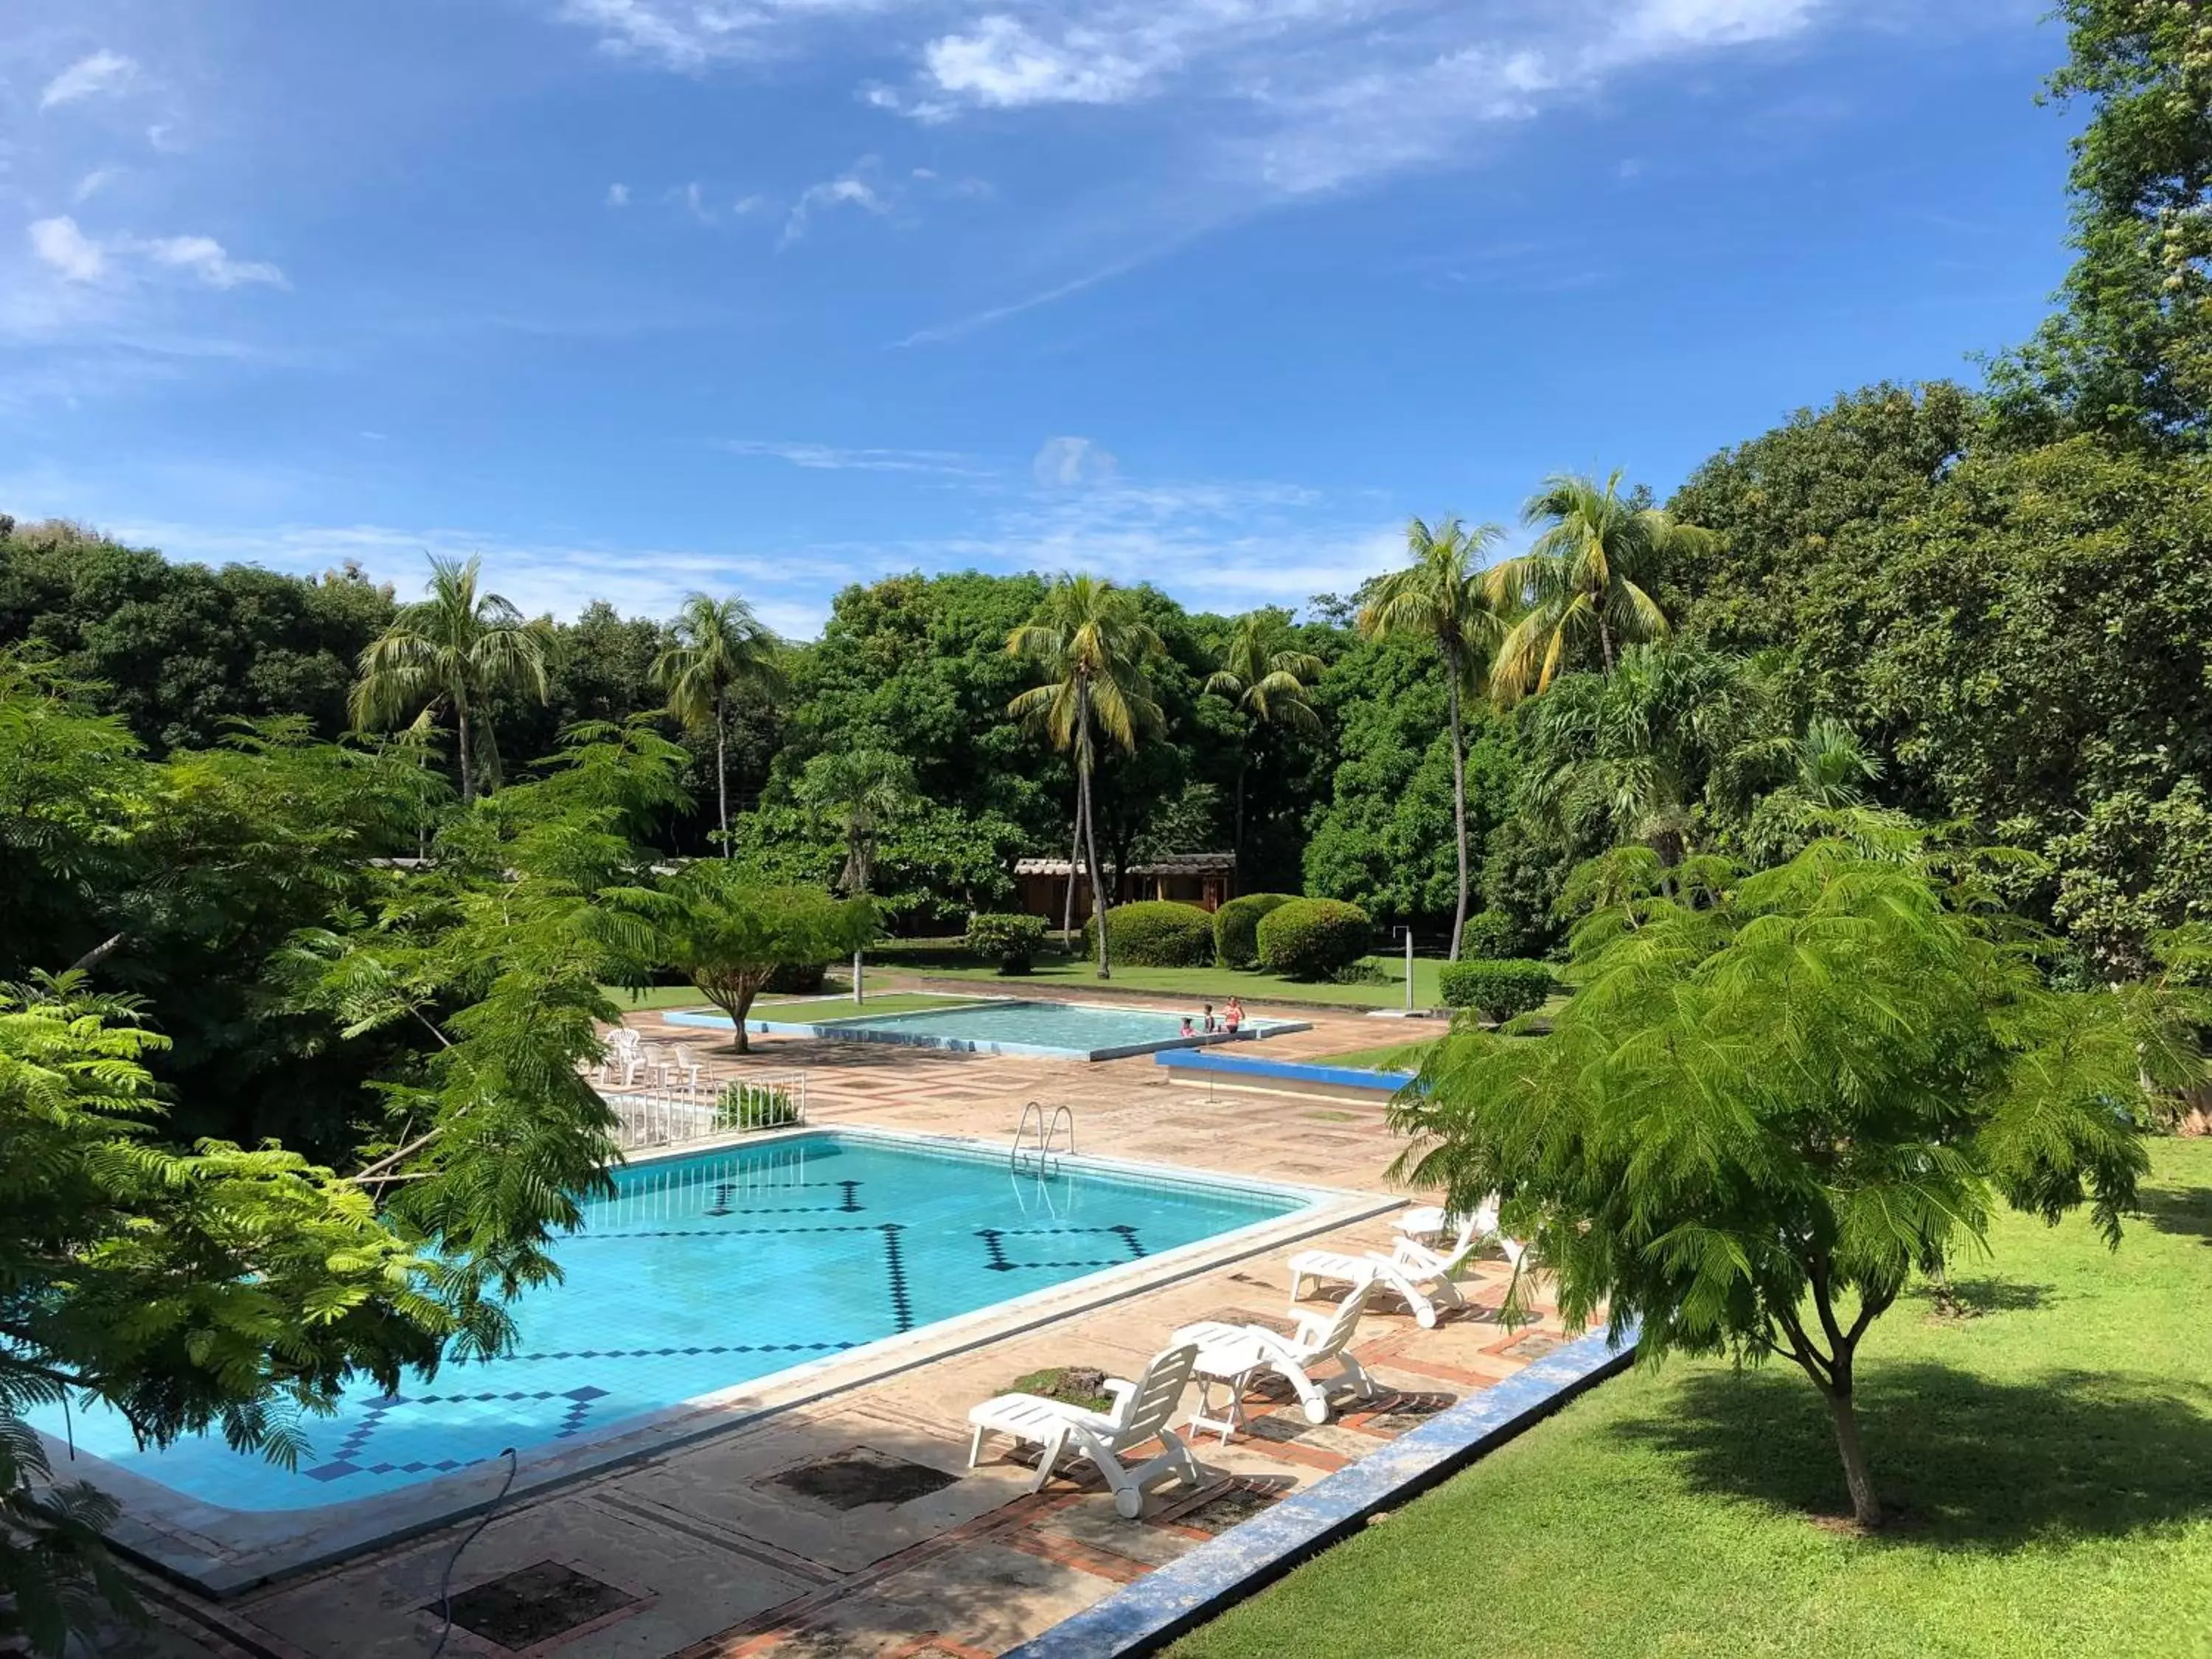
456, 650
1442, 597
1092, 643
1589, 576
865, 792
1764, 1110
1268, 683
719, 645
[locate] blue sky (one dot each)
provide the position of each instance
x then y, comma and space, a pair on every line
634, 296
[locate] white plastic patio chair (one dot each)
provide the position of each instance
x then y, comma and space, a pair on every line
677, 1063
624, 1056
1234, 1354
1142, 1411
1425, 1278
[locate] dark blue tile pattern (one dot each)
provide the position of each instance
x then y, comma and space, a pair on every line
994, 1245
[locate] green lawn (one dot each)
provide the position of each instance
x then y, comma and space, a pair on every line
943, 959
2050, 1458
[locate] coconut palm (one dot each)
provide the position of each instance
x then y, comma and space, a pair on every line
1091, 641
454, 651
1587, 577
1270, 687
719, 645
1442, 596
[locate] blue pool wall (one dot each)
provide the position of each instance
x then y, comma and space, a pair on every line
848, 1028
1253, 1068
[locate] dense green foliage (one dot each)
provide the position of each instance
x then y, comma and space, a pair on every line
1498, 989
1156, 933
1236, 927
1491, 934
1010, 941
1778, 1096
1313, 938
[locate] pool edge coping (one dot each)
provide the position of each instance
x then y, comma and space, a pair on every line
195, 1544
1146, 1615
849, 1029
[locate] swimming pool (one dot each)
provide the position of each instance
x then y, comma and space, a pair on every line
1054, 1031
713, 1270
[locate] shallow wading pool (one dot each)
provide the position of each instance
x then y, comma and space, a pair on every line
1053, 1030
713, 1270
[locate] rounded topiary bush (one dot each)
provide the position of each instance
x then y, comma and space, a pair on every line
1497, 990
1236, 927
1490, 933
1312, 939
1009, 941
1156, 933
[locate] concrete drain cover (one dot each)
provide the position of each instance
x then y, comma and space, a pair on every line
528, 1606
850, 1479
1533, 1347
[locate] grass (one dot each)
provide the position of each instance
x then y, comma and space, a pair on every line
2048, 1459
794, 1008
942, 958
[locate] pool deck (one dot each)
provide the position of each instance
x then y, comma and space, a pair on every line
848, 1524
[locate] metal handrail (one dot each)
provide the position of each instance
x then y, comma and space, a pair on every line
1047, 1136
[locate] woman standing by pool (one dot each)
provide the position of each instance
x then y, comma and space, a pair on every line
1232, 1016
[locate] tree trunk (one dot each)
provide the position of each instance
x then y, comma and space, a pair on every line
1605, 642
1237, 845
1074, 859
1866, 1508
465, 739
721, 774
1459, 798
1097, 885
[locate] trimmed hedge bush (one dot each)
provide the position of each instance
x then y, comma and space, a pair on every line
1497, 990
1490, 934
1312, 939
1236, 927
793, 980
1155, 933
1009, 941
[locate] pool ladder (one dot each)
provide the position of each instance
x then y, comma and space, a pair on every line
1047, 1145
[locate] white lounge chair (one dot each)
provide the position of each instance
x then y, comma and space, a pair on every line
1234, 1353
1408, 1268
1142, 1411
679, 1064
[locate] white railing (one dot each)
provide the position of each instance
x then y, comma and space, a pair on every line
655, 1118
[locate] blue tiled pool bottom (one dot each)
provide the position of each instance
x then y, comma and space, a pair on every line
1056, 1031
708, 1271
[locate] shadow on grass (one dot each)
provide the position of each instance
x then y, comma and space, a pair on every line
2186, 1211
1969, 1298
1960, 1461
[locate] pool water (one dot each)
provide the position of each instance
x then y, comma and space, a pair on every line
709, 1271
1067, 1030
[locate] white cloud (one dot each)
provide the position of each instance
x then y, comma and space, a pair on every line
204, 257
617, 196
850, 191
1002, 63
60, 244
63, 246
92, 76
827, 458
689, 34
93, 182
1065, 463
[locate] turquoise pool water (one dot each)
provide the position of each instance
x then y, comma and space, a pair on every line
709, 1271
1059, 1030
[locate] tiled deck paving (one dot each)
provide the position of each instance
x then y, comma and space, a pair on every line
703, 1553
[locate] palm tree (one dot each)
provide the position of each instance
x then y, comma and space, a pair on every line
458, 650
719, 645
1092, 642
864, 790
1270, 687
1442, 596
1588, 574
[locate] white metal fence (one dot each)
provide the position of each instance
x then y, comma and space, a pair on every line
655, 1118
